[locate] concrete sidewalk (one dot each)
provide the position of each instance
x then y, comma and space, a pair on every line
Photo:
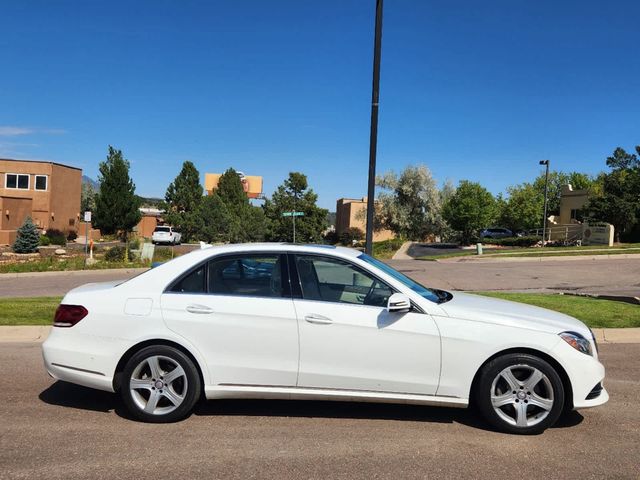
28, 333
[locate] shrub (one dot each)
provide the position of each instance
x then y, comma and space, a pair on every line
134, 244
351, 235
28, 238
512, 241
56, 237
44, 241
115, 254
72, 235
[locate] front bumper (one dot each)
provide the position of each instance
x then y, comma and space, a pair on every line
585, 373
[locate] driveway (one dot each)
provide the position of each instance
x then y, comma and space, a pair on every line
60, 431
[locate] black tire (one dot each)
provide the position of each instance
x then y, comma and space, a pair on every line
522, 398
188, 386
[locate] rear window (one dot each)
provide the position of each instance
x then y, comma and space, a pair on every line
162, 229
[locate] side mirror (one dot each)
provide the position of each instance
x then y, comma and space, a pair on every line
398, 303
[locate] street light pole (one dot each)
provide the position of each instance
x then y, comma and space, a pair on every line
546, 190
373, 136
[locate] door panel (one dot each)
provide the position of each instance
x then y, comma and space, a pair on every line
245, 341
348, 340
367, 348
238, 311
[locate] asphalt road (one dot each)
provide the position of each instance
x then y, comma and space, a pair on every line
603, 276
60, 431
616, 276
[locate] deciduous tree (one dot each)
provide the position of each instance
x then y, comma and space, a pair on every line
470, 209
409, 204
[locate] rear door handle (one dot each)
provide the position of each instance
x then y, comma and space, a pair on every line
202, 309
318, 319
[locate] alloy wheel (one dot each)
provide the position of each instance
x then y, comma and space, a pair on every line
158, 385
522, 395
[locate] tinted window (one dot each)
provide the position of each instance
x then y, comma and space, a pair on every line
41, 182
12, 181
421, 290
332, 280
23, 182
162, 229
17, 181
246, 275
192, 282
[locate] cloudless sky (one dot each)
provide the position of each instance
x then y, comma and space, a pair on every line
474, 90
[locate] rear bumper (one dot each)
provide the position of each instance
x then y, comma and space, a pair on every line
75, 360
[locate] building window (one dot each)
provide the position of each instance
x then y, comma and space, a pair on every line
17, 180
41, 182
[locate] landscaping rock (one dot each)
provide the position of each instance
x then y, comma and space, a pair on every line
60, 251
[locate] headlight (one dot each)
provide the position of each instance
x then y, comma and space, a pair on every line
578, 342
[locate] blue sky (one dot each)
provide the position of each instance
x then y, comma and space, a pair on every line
474, 90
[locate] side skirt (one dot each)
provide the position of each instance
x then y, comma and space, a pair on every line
302, 393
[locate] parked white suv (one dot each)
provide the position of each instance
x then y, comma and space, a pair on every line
166, 234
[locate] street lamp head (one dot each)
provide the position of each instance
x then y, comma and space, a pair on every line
544, 162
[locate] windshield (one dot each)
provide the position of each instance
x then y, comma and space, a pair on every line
162, 229
433, 295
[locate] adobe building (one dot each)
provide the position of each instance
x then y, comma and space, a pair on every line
251, 184
48, 192
352, 212
568, 225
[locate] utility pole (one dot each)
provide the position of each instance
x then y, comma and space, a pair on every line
373, 135
546, 190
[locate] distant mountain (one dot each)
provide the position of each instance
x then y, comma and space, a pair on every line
91, 182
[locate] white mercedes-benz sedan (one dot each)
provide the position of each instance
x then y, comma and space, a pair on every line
317, 322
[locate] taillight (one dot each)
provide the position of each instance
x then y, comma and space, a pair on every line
69, 315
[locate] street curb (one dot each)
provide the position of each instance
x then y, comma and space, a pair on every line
613, 298
38, 334
73, 272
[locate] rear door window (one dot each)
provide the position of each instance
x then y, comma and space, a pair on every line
254, 275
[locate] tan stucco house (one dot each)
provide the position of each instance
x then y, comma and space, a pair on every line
48, 192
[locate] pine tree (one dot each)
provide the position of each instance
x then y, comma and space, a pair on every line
184, 200
295, 195
117, 206
28, 238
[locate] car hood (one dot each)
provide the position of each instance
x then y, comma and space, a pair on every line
504, 312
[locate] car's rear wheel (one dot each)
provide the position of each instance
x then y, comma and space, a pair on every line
160, 384
520, 393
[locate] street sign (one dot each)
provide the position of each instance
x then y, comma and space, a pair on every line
87, 216
293, 214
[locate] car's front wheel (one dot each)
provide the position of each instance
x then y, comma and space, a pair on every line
160, 384
520, 393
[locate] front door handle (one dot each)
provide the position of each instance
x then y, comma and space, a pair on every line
318, 319
202, 309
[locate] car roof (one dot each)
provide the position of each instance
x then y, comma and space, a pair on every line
276, 247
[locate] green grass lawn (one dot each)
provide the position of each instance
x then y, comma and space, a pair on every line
385, 249
28, 311
594, 312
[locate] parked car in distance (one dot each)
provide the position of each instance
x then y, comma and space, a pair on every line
318, 322
495, 232
166, 234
